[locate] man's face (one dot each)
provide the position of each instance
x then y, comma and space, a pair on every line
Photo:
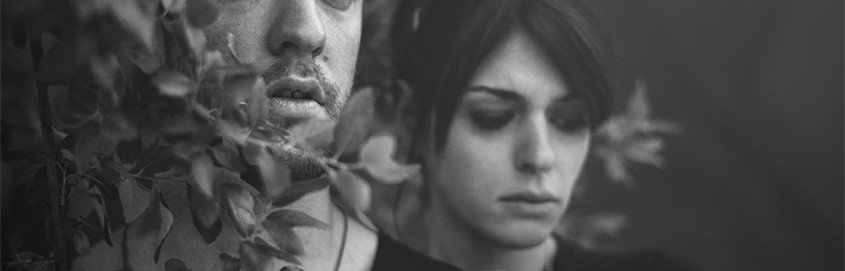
305, 49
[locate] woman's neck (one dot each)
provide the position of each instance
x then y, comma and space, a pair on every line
454, 242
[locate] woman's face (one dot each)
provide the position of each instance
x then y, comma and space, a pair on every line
514, 149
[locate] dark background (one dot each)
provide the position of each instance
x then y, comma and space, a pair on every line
755, 182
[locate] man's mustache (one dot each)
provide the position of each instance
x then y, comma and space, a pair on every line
306, 69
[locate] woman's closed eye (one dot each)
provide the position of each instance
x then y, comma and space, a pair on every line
568, 117
569, 124
491, 119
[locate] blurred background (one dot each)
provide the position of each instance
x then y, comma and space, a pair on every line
755, 180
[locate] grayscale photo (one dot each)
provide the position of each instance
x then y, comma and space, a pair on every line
358, 135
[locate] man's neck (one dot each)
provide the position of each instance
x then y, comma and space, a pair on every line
346, 237
454, 243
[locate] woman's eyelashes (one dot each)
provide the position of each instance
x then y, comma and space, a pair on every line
568, 117
486, 119
570, 124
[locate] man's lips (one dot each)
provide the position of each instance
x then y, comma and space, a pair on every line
297, 88
296, 98
530, 197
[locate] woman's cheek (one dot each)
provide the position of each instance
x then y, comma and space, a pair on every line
570, 155
477, 165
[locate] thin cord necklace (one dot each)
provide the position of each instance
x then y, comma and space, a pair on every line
342, 240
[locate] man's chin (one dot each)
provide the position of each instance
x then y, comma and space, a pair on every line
303, 167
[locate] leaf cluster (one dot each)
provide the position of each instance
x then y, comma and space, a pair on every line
138, 99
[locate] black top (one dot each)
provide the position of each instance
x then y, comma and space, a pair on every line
393, 256
570, 257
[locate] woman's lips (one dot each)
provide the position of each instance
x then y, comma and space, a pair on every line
531, 205
530, 197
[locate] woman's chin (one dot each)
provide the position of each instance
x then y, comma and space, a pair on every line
521, 234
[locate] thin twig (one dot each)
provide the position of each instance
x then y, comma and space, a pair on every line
56, 208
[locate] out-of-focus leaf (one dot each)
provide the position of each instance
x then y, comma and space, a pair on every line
280, 253
587, 230
638, 102
206, 215
118, 126
632, 137
291, 268
66, 154
350, 208
79, 106
133, 198
128, 153
297, 190
274, 175
201, 13
203, 171
315, 132
241, 204
234, 130
62, 61
155, 160
253, 257
227, 155
175, 264
355, 119
646, 151
102, 214
166, 224
134, 18
104, 68
293, 218
242, 100
80, 204
230, 263
173, 83
81, 243
168, 108
377, 159
195, 39
144, 59
354, 190
151, 226
212, 59
175, 6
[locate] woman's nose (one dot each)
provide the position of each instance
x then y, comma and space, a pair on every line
298, 30
534, 153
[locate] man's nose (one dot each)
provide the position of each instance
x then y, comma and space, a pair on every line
298, 30
533, 152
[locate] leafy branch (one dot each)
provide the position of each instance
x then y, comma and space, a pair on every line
125, 86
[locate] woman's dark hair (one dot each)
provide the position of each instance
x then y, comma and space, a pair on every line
439, 45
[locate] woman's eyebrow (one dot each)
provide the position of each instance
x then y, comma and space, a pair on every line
568, 98
507, 94
504, 94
